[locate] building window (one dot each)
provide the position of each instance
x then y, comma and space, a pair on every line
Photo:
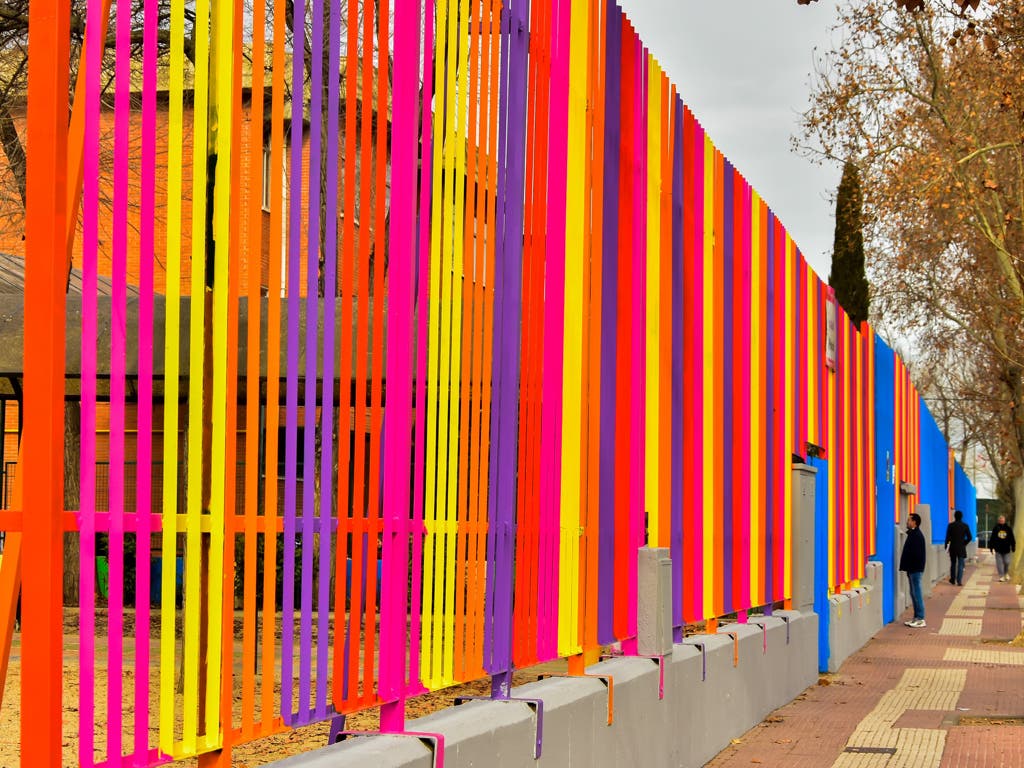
266, 179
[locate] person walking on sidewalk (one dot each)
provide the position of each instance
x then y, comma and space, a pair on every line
912, 561
1001, 542
958, 536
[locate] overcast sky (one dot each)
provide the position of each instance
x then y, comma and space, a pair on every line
743, 67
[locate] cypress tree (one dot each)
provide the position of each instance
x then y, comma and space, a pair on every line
847, 275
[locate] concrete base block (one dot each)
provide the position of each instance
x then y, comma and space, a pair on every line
716, 687
654, 595
379, 751
855, 616
936, 568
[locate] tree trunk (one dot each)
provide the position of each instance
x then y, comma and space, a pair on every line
1015, 382
1018, 528
72, 454
12, 146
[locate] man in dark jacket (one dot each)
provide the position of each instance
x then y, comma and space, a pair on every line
912, 561
958, 536
1002, 543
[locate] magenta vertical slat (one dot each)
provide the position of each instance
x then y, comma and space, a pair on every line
743, 596
397, 417
697, 371
118, 353
554, 322
87, 479
638, 344
422, 302
144, 417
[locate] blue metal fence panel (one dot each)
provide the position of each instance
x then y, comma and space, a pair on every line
884, 476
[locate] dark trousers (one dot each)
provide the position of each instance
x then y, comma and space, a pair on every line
956, 568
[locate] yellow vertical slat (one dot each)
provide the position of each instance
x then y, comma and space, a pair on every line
831, 452
427, 661
652, 419
197, 316
757, 452
790, 411
441, 297
708, 289
813, 428
222, 112
572, 377
848, 515
452, 385
172, 341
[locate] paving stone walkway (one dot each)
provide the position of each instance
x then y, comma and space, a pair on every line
950, 695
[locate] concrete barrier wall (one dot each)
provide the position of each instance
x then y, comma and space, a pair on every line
855, 616
938, 566
716, 687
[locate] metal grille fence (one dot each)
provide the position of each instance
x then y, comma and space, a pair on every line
594, 335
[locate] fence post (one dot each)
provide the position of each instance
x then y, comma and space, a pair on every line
804, 479
45, 271
654, 601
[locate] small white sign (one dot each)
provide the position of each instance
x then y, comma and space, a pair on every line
830, 329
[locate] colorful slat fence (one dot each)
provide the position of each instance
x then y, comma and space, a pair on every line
423, 317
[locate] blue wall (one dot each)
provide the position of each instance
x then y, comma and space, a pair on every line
934, 488
885, 436
965, 498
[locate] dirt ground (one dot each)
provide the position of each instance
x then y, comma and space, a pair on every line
250, 755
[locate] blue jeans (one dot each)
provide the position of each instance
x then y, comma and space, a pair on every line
956, 569
915, 593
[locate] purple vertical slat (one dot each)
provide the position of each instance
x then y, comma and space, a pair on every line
771, 479
510, 201
326, 517
292, 382
676, 539
609, 323
309, 468
554, 323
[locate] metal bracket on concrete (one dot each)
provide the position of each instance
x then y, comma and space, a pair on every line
337, 728
785, 620
434, 741
609, 682
703, 657
735, 646
659, 660
537, 705
764, 633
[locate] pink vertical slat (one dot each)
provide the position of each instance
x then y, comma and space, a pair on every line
144, 425
87, 480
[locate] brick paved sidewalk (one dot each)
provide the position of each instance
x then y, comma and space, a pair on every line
946, 696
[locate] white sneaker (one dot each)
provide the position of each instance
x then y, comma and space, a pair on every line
918, 623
